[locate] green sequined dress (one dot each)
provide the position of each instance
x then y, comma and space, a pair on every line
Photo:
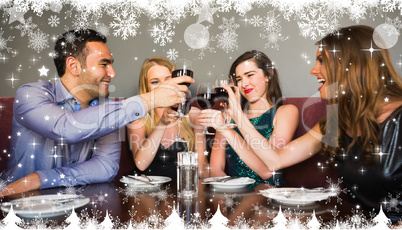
264, 125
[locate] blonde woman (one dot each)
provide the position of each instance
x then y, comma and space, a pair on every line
150, 138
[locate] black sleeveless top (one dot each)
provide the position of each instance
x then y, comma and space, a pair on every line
378, 183
165, 161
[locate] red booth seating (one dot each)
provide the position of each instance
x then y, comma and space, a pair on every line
310, 173
6, 114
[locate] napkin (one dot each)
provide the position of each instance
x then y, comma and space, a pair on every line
239, 180
213, 179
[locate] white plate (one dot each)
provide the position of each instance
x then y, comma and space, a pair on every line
237, 183
296, 196
156, 181
46, 205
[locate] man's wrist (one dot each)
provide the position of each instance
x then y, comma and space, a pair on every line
147, 101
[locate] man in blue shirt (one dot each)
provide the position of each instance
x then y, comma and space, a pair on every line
66, 133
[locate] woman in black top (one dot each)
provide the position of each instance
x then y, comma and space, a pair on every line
151, 137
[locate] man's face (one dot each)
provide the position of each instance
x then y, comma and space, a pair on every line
98, 71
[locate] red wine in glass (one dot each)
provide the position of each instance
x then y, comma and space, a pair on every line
186, 107
175, 107
222, 94
205, 100
182, 72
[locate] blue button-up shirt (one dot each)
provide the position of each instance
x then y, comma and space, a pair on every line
65, 145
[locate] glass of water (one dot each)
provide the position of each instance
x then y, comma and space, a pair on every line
187, 174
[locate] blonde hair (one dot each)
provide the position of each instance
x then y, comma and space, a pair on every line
364, 79
150, 119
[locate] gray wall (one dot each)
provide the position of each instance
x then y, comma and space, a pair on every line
129, 54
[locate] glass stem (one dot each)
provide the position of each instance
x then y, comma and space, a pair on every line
226, 113
178, 128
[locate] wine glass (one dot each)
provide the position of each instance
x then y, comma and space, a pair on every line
183, 110
222, 95
205, 99
181, 67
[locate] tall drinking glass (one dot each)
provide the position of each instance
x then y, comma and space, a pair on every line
187, 174
222, 95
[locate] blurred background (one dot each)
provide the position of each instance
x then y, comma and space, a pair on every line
210, 33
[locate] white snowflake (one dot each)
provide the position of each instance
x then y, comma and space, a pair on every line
229, 24
38, 41
162, 34
101, 198
242, 7
336, 187
125, 24
227, 40
229, 202
172, 54
3, 42
70, 37
271, 23
313, 24
129, 192
224, 5
27, 27
272, 39
396, 23
256, 21
102, 29
71, 190
393, 203
272, 30
334, 12
81, 22
54, 21
258, 209
171, 15
357, 11
162, 195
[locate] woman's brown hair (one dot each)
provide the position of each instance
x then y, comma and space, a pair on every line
360, 79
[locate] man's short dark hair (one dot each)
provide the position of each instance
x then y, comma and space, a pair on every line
73, 43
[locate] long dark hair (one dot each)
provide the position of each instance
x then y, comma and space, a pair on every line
274, 92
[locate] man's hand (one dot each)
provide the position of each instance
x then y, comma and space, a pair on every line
28, 183
168, 116
167, 94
